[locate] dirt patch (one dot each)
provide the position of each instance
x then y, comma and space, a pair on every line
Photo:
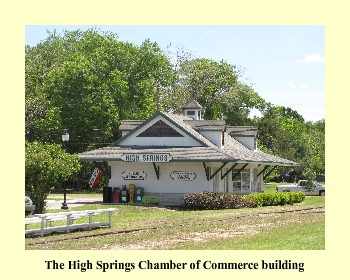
164, 244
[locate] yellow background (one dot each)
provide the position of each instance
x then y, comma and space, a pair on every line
21, 264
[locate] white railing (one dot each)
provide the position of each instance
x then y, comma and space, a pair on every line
45, 221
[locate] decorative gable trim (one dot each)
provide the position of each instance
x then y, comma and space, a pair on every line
150, 120
160, 129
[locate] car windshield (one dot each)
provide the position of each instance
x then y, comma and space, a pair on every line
303, 183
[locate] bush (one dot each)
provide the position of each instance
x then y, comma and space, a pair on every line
215, 200
46, 165
278, 198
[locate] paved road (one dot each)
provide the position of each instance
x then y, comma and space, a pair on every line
52, 204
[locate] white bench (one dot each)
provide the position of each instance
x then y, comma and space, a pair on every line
45, 221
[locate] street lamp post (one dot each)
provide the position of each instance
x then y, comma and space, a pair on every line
65, 139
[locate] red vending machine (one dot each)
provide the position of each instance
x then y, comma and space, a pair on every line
116, 192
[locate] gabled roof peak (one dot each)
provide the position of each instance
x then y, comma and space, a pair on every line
193, 104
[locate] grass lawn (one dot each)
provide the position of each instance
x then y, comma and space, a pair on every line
309, 236
58, 195
293, 227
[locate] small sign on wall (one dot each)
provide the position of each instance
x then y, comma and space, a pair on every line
134, 175
94, 177
183, 176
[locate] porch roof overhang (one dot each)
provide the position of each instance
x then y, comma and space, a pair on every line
188, 154
197, 160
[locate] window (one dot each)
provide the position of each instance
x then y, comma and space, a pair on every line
191, 113
241, 183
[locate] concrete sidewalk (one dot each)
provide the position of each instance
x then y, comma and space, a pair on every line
53, 204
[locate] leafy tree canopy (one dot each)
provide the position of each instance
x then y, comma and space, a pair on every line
88, 81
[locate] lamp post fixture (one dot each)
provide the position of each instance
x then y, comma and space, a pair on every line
65, 139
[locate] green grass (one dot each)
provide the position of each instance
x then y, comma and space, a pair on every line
266, 228
310, 236
71, 194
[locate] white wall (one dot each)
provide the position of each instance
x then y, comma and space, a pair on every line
246, 141
165, 183
213, 136
196, 116
124, 132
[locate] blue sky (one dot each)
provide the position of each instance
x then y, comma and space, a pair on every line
284, 63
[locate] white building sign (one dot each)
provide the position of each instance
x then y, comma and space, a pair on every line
183, 175
146, 157
134, 175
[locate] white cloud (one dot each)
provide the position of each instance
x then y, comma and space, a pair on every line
210, 31
304, 86
292, 86
311, 58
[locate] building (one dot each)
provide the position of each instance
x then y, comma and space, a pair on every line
170, 155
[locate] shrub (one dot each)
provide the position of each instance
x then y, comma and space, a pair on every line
215, 200
278, 198
46, 165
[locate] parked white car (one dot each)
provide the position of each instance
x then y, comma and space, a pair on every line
301, 187
29, 206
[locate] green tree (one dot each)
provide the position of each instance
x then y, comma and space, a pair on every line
88, 82
207, 81
309, 175
215, 85
238, 102
284, 133
316, 132
46, 166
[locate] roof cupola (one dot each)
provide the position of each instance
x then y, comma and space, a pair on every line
193, 109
